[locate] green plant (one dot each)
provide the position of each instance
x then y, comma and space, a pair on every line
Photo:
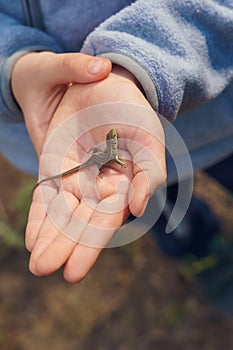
11, 233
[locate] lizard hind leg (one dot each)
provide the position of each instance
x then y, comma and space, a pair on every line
94, 150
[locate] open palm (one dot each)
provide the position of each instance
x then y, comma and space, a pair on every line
73, 218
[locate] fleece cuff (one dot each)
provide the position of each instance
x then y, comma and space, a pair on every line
6, 91
140, 74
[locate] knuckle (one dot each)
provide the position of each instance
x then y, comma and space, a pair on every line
69, 63
162, 178
164, 175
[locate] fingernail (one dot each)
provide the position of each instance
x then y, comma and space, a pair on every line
96, 66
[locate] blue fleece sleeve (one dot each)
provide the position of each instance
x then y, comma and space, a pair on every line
182, 48
16, 40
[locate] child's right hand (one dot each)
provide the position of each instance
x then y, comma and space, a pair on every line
49, 247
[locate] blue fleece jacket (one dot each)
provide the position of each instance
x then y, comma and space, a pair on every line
181, 51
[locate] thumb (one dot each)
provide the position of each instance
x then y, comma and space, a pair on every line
76, 68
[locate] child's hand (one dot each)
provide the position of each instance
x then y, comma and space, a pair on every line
50, 249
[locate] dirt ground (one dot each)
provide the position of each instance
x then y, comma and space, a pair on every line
134, 298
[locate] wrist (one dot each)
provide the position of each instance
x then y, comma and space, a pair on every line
120, 71
19, 75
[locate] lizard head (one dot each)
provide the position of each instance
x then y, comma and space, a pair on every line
111, 134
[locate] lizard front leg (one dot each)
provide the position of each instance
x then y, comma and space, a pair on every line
122, 163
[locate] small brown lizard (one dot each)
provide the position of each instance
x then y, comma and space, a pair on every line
97, 158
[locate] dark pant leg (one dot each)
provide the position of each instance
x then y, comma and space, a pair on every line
201, 222
223, 172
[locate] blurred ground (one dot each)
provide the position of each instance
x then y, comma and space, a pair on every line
134, 298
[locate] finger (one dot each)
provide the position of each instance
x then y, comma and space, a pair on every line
84, 256
95, 236
144, 186
149, 175
52, 248
46, 237
93, 227
52, 251
36, 217
140, 196
35, 220
76, 68
80, 263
